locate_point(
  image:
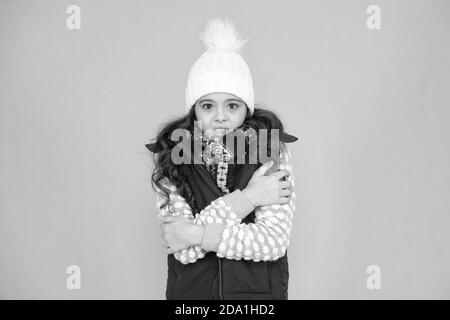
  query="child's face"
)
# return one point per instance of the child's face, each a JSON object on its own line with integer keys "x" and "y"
{"x": 219, "y": 113}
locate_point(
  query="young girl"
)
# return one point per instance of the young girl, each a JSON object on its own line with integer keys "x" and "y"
{"x": 226, "y": 223}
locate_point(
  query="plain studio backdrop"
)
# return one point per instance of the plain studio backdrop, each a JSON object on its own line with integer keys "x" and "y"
{"x": 370, "y": 107}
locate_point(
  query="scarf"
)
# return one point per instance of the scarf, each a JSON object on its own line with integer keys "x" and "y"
{"x": 220, "y": 173}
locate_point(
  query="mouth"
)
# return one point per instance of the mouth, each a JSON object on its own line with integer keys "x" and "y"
{"x": 218, "y": 131}
{"x": 221, "y": 129}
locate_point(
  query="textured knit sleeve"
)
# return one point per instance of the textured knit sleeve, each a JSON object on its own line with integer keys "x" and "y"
{"x": 265, "y": 239}
{"x": 220, "y": 212}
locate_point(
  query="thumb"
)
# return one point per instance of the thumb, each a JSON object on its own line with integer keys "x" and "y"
{"x": 264, "y": 168}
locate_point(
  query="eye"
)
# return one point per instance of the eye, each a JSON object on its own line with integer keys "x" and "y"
{"x": 207, "y": 106}
{"x": 233, "y": 106}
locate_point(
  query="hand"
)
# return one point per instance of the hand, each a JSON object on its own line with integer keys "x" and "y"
{"x": 264, "y": 190}
{"x": 179, "y": 233}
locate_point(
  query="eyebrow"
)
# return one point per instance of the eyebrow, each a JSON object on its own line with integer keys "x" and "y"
{"x": 210, "y": 100}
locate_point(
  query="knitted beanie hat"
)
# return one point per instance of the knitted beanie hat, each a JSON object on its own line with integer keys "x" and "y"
{"x": 221, "y": 68}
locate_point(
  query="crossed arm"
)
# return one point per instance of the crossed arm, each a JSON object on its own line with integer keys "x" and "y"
{"x": 265, "y": 239}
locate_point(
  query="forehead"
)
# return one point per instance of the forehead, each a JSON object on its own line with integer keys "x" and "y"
{"x": 218, "y": 97}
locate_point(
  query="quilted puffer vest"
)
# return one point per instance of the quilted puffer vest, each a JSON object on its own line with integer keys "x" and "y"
{"x": 216, "y": 278}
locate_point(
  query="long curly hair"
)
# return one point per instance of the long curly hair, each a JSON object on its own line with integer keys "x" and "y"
{"x": 161, "y": 149}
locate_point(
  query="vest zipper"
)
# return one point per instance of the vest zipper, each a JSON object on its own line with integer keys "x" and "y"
{"x": 220, "y": 279}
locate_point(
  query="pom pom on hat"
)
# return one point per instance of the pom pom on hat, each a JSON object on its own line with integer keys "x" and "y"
{"x": 222, "y": 35}
{"x": 221, "y": 68}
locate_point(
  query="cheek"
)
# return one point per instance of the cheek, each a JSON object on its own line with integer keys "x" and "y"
{"x": 239, "y": 117}
{"x": 204, "y": 117}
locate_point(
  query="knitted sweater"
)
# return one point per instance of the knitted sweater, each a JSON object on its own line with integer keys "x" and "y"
{"x": 265, "y": 239}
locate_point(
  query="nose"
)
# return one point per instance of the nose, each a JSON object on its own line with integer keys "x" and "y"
{"x": 220, "y": 116}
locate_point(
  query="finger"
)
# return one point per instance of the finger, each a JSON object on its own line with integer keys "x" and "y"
{"x": 280, "y": 174}
{"x": 180, "y": 219}
{"x": 264, "y": 168}
{"x": 285, "y": 200}
{"x": 176, "y": 218}
{"x": 285, "y": 192}
{"x": 170, "y": 219}
{"x": 285, "y": 184}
